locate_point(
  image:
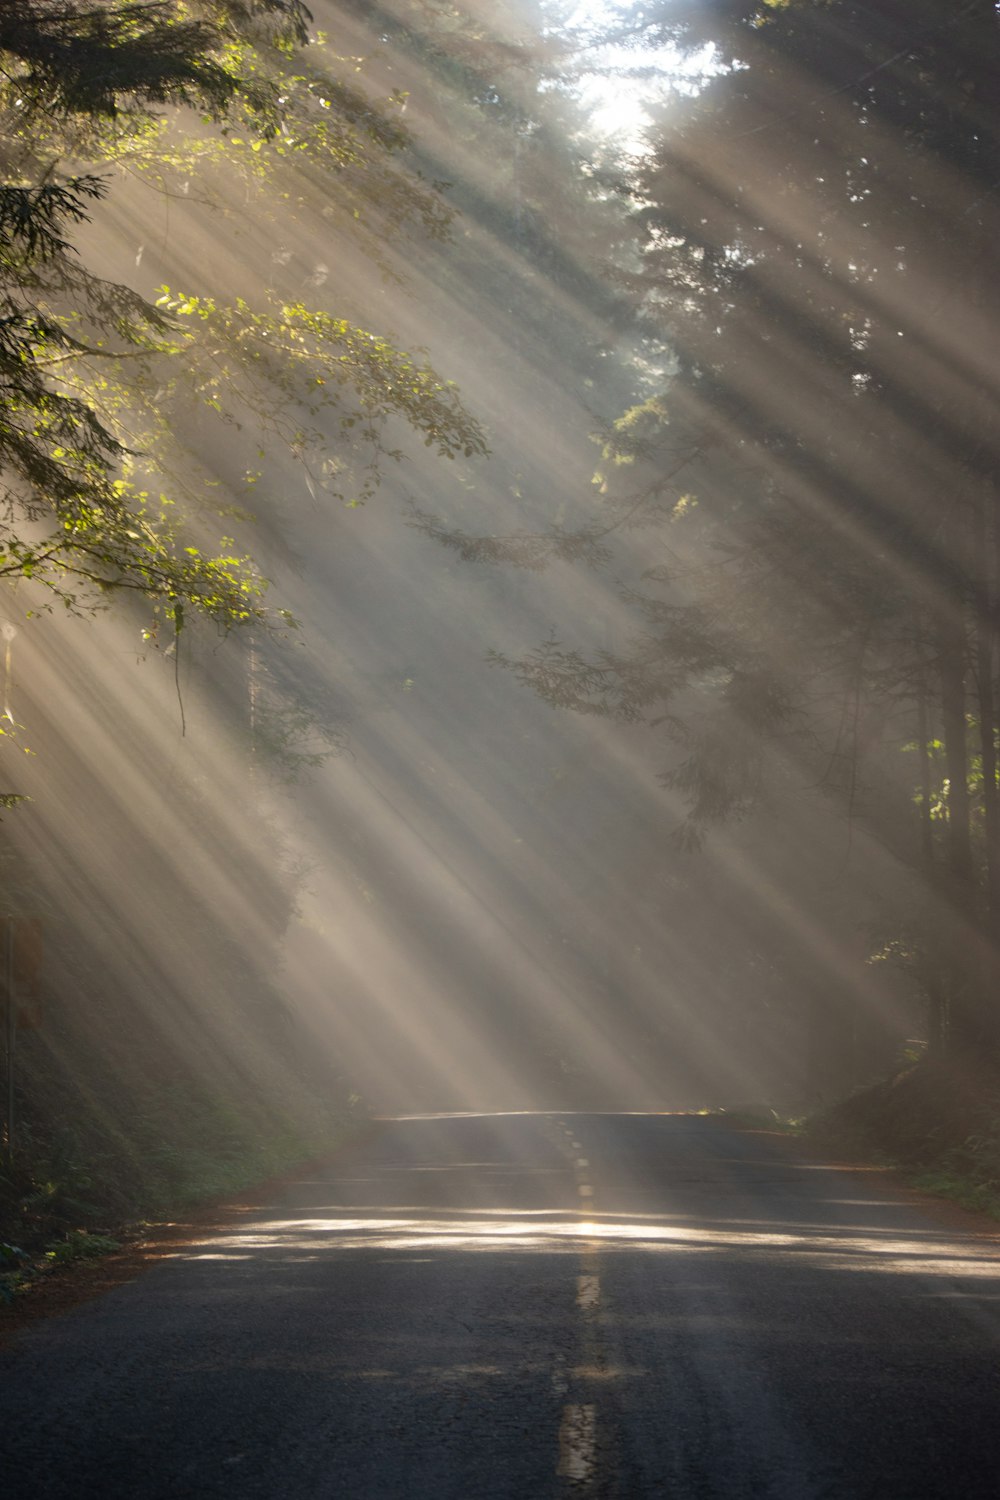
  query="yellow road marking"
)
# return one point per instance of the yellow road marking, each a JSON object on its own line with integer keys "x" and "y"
{"x": 577, "y": 1442}
{"x": 588, "y": 1290}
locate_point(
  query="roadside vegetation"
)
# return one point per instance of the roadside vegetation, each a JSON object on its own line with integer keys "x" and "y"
{"x": 83, "y": 1186}
{"x": 942, "y": 1131}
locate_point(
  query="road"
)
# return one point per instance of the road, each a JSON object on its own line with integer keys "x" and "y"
{"x": 534, "y": 1306}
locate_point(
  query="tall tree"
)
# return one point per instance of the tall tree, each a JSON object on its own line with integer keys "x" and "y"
{"x": 816, "y": 226}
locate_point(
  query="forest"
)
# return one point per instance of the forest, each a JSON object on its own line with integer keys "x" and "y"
{"x": 500, "y": 552}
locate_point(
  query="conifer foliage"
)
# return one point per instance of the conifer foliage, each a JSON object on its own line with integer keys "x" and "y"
{"x": 89, "y": 508}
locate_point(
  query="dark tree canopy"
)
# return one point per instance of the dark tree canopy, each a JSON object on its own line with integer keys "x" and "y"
{"x": 816, "y": 225}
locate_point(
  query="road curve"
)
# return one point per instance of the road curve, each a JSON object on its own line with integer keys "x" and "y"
{"x": 533, "y": 1306}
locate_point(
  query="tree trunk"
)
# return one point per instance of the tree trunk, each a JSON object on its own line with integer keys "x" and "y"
{"x": 935, "y": 990}
{"x": 985, "y": 666}
{"x": 972, "y": 1034}
{"x": 951, "y": 661}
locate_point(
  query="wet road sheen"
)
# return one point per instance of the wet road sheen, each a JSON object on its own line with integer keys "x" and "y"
{"x": 534, "y": 1306}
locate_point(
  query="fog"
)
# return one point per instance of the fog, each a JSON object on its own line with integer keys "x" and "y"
{"x": 356, "y": 857}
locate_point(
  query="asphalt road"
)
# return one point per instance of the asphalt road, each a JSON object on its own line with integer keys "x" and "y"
{"x": 533, "y": 1306}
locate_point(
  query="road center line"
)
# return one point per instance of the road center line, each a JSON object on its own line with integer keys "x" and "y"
{"x": 588, "y": 1290}
{"x": 560, "y": 1382}
{"x": 577, "y": 1442}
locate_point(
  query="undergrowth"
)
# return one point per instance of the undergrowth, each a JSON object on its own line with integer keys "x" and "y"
{"x": 983, "y": 1197}
{"x": 970, "y": 1173}
{"x": 77, "y": 1188}
{"x": 940, "y": 1127}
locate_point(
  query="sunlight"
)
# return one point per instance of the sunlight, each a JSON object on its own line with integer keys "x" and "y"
{"x": 457, "y": 936}
{"x": 500, "y": 564}
{"x": 616, "y": 112}
{"x": 844, "y": 1251}
{"x": 475, "y": 901}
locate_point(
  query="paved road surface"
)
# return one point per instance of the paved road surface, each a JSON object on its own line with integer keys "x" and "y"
{"x": 533, "y": 1306}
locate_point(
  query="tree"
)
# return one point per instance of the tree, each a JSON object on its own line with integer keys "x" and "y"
{"x": 816, "y": 483}
{"x": 85, "y": 362}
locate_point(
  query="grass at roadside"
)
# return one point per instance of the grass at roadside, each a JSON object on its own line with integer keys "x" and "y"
{"x": 982, "y": 1197}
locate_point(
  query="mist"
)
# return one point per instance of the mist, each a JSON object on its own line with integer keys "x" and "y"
{"x": 358, "y": 858}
